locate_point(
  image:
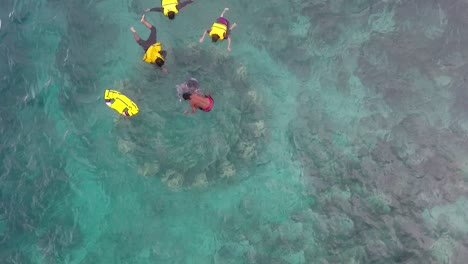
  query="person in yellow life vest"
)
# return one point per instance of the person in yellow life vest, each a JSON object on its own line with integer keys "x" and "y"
{"x": 170, "y": 7}
{"x": 154, "y": 54}
{"x": 120, "y": 103}
{"x": 220, "y": 30}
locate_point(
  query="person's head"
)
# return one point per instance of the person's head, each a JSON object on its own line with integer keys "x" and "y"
{"x": 214, "y": 38}
{"x": 187, "y": 96}
{"x": 159, "y": 62}
{"x": 171, "y": 14}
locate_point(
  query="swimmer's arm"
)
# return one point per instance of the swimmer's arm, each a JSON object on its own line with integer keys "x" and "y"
{"x": 233, "y": 26}
{"x": 160, "y": 68}
{"x": 229, "y": 43}
{"x": 183, "y": 4}
{"x": 191, "y": 112}
{"x": 194, "y": 109}
{"x": 203, "y": 37}
{"x": 154, "y": 9}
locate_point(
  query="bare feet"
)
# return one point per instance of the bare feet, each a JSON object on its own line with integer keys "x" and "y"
{"x": 132, "y": 29}
{"x": 142, "y": 19}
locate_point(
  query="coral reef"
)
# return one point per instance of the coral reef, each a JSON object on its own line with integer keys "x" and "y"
{"x": 227, "y": 169}
{"x": 200, "y": 180}
{"x": 247, "y": 149}
{"x": 259, "y": 128}
{"x": 173, "y": 179}
{"x": 149, "y": 169}
{"x": 241, "y": 73}
{"x": 126, "y": 146}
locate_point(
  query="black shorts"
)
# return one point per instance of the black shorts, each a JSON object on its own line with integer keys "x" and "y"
{"x": 145, "y": 44}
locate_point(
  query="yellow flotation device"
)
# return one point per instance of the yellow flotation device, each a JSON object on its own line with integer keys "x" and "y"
{"x": 152, "y": 54}
{"x": 120, "y": 103}
{"x": 169, "y": 5}
{"x": 218, "y": 29}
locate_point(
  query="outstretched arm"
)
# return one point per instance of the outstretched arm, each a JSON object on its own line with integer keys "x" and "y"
{"x": 203, "y": 37}
{"x": 154, "y": 9}
{"x": 194, "y": 109}
{"x": 183, "y": 4}
{"x": 229, "y": 43}
{"x": 224, "y": 11}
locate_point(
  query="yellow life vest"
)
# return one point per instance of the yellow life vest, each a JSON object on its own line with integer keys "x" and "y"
{"x": 121, "y": 103}
{"x": 218, "y": 29}
{"x": 152, "y": 54}
{"x": 169, "y": 5}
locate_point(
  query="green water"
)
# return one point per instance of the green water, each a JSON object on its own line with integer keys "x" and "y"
{"x": 338, "y": 134}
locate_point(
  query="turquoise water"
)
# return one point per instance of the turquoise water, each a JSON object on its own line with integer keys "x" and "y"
{"x": 338, "y": 135}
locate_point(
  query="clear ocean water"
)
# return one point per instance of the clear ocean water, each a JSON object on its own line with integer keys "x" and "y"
{"x": 339, "y": 134}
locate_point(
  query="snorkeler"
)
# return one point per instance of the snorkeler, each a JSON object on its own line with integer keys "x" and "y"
{"x": 204, "y": 103}
{"x": 170, "y": 7}
{"x": 120, "y": 103}
{"x": 191, "y": 86}
{"x": 220, "y": 30}
{"x": 154, "y": 54}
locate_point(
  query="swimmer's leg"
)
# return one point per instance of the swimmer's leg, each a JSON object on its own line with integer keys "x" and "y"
{"x": 152, "y": 37}
{"x": 144, "y": 22}
{"x": 135, "y": 35}
{"x": 144, "y": 45}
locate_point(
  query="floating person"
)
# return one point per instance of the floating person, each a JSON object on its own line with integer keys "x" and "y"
{"x": 154, "y": 54}
{"x": 202, "y": 102}
{"x": 170, "y": 7}
{"x": 191, "y": 86}
{"x": 120, "y": 103}
{"x": 220, "y": 30}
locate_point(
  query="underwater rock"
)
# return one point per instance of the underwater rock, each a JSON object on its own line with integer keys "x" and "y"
{"x": 252, "y": 94}
{"x": 241, "y": 73}
{"x": 443, "y": 249}
{"x": 247, "y": 149}
{"x": 376, "y": 249}
{"x": 380, "y": 202}
{"x": 126, "y": 146}
{"x": 227, "y": 169}
{"x": 173, "y": 179}
{"x": 200, "y": 180}
{"x": 148, "y": 169}
{"x": 259, "y": 128}
{"x": 443, "y": 80}
{"x": 297, "y": 258}
{"x": 300, "y": 28}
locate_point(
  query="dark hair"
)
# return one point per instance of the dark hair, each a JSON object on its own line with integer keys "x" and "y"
{"x": 187, "y": 96}
{"x": 159, "y": 62}
{"x": 171, "y": 14}
{"x": 214, "y": 38}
